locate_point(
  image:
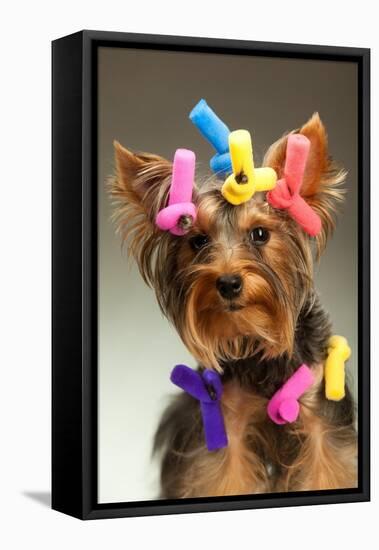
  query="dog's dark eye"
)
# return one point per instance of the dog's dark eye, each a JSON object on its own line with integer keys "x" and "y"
{"x": 198, "y": 241}
{"x": 259, "y": 236}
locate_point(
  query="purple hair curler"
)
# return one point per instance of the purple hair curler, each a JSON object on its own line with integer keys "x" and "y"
{"x": 206, "y": 387}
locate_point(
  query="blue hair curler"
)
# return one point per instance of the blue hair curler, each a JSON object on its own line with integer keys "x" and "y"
{"x": 216, "y": 133}
{"x": 221, "y": 164}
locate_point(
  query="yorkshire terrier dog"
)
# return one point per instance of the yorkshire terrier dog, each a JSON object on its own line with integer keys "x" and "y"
{"x": 239, "y": 289}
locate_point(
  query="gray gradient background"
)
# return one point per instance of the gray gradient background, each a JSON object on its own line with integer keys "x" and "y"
{"x": 144, "y": 101}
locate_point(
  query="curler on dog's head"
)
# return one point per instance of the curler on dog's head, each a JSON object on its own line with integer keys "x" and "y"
{"x": 245, "y": 180}
{"x": 180, "y": 214}
{"x": 216, "y": 132}
{"x": 286, "y": 195}
{"x": 233, "y": 154}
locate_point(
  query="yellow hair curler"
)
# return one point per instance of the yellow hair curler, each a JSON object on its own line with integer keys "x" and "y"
{"x": 338, "y": 352}
{"x": 246, "y": 180}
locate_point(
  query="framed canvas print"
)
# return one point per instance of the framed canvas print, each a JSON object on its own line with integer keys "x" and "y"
{"x": 210, "y": 275}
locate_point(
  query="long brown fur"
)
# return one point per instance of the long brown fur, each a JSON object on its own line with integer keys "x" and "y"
{"x": 255, "y": 341}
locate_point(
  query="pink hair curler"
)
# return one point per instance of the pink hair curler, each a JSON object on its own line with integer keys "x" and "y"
{"x": 180, "y": 213}
{"x": 284, "y": 406}
{"x": 286, "y": 194}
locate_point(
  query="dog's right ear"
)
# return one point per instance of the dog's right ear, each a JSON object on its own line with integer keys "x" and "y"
{"x": 141, "y": 183}
{"x": 140, "y": 190}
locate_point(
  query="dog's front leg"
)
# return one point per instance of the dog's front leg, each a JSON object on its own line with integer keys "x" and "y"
{"x": 188, "y": 469}
{"x": 319, "y": 451}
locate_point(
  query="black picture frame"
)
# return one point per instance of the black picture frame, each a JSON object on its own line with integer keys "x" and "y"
{"x": 74, "y": 271}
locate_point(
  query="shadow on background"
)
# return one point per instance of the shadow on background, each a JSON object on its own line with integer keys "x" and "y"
{"x": 42, "y": 497}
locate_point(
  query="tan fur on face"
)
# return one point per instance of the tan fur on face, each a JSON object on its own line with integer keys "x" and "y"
{"x": 276, "y": 279}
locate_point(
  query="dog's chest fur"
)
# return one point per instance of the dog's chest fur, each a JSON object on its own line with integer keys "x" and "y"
{"x": 264, "y": 377}
{"x": 258, "y": 450}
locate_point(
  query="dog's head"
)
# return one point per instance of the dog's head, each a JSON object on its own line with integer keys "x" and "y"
{"x": 235, "y": 284}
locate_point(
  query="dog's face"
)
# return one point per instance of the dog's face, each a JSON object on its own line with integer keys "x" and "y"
{"x": 235, "y": 284}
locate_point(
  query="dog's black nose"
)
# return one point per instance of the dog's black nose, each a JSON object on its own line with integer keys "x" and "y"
{"x": 229, "y": 286}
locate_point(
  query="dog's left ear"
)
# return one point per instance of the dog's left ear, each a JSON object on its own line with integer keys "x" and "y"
{"x": 322, "y": 178}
